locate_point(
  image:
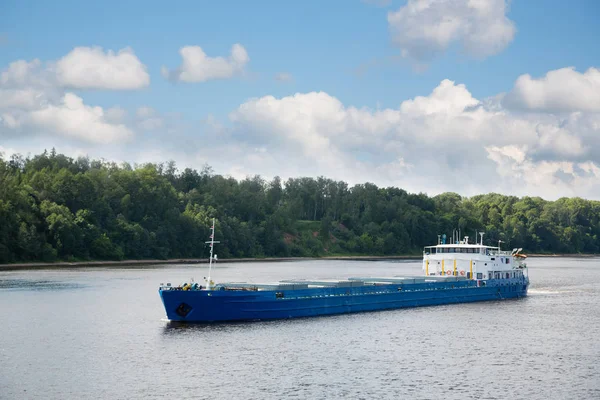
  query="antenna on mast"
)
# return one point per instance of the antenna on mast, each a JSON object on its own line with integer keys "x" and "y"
{"x": 481, "y": 233}
{"x": 209, "y": 282}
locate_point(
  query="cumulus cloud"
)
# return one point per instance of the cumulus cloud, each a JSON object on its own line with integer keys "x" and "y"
{"x": 446, "y": 98}
{"x": 23, "y": 73}
{"x": 27, "y": 98}
{"x": 33, "y": 101}
{"x": 424, "y": 29}
{"x": 26, "y": 86}
{"x": 74, "y": 119}
{"x": 82, "y": 68}
{"x": 550, "y": 179}
{"x": 561, "y": 90}
{"x": 445, "y": 141}
{"x": 198, "y": 67}
{"x": 92, "y": 68}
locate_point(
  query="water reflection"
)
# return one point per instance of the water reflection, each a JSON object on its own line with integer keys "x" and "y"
{"x": 109, "y": 340}
{"x": 37, "y": 285}
{"x": 177, "y": 327}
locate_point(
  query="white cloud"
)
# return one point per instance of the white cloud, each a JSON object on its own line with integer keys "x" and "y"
{"x": 513, "y": 153}
{"x": 92, "y": 68}
{"x": 25, "y": 86}
{"x": 559, "y": 141}
{"x": 74, "y": 119}
{"x": 33, "y": 101}
{"x": 82, "y": 68}
{"x": 561, "y": 90}
{"x": 446, "y": 141}
{"x": 447, "y": 98}
{"x": 424, "y": 29}
{"x": 549, "y": 179}
{"x": 198, "y": 67}
{"x": 21, "y": 73}
{"x": 27, "y": 98}
{"x": 295, "y": 119}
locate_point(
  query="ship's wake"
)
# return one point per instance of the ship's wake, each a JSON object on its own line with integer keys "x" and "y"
{"x": 549, "y": 291}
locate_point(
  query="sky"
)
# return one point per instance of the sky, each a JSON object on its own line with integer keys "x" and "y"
{"x": 466, "y": 96}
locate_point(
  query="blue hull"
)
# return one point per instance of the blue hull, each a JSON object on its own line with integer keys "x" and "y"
{"x": 226, "y": 305}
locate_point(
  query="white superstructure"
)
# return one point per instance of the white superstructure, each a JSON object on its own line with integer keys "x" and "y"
{"x": 473, "y": 261}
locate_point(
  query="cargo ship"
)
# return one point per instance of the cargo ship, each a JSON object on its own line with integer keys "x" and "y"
{"x": 457, "y": 272}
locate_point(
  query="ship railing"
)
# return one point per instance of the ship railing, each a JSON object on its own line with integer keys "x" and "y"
{"x": 185, "y": 287}
{"x": 500, "y": 253}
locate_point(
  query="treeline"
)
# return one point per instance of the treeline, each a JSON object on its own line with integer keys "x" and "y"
{"x": 53, "y": 207}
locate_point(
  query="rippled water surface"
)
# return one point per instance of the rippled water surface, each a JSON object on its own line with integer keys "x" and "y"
{"x": 100, "y": 334}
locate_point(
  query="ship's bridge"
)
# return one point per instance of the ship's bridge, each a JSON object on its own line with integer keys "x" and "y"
{"x": 473, "y": 261}
{"x": 464, "y": 248}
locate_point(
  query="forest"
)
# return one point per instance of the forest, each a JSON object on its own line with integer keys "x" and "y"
{"x": 53, "y": 207}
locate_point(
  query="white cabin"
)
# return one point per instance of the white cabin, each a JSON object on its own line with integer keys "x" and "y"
{"x": 473, "y": 261}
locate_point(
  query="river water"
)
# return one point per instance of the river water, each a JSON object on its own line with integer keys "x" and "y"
{"x": 100, "y": 333}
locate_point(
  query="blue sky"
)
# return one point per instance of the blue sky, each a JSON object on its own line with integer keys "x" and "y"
{"x": 346, "y": 49}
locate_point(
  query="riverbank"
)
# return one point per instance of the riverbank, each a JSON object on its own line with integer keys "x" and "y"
{"x": 133, "y": 263}
{"x": 124, "y": 263}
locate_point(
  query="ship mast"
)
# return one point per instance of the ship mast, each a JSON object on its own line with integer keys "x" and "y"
{"x": 209, "y": 282}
